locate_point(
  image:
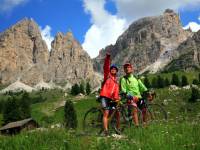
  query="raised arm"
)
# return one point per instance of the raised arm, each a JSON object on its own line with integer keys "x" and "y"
{"x": 106, "y": 67}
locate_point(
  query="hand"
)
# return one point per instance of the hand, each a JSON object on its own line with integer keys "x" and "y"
{"x": 135, "y": 99}
{"x": 117, "y": 100}
{"x": 122, "y": 95}
{"x": 129, "y": 97}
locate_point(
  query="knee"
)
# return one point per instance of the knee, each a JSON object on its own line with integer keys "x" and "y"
{"x": 106, "y": 113}
{"x": 135, "y": 110}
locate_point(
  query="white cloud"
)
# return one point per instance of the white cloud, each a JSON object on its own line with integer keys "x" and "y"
{"x": 46, "y": 35}
{"x": 193, "y": 26}
{"x": 135, "y": 9}
{"x": 8, "y": 5}
{"x": 105, "y": 27}
{"x": 199, "y": 18}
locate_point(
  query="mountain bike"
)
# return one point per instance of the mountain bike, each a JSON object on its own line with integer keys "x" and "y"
{"x": 93, "y": 119}
{"x": 151, "y": 111}
{"x": 147, "y": 111}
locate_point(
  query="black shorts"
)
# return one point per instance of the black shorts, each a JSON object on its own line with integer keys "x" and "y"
{"x": 107, "y": 103}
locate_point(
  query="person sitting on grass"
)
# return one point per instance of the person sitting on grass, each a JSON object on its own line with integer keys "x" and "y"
{"x": 109, "y": 93}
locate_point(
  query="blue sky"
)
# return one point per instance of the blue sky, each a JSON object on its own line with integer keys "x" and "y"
{"x": 61, "y": 15}
{"x": 94, "y": 23}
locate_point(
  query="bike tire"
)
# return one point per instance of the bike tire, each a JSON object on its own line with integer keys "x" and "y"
{"x": 158, "y": 113}
{"x": 124, "y": 123}
{"x": 92, "y": 122}
{"x": 147, "y": 116}
{"x": 129, "y": 118}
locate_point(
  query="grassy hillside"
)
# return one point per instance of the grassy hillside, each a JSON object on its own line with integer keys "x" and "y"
{"x": 170, "y": 136}
{"x": 182, "y": 131}
{"x": 191, "y": 75}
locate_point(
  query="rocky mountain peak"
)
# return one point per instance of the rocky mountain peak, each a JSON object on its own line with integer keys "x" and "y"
{"x": 196, "y": 36}
{"x": 28, "y": 26}
{"x": 66, "y": 45}
{"x": 70, "y": 35}
{"x": 169, "y": 11}
{"x": 67, "y": 37}
{"x": 187, "y": 55}
{"x": 25, "y": 57}
{"x": 22, "y": 51}
{"x": 69, "y": 61}
{"x": 148, "y": 43}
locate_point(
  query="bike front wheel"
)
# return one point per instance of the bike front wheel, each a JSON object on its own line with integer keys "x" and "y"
{"x": 119, "y": 125}
{"x": 92, "y": 122}
{"x": 130, "y": 114}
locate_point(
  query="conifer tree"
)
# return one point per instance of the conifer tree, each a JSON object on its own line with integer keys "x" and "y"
{"x": 160, "y": 82}
{"x": 82, "y": 88}
{"x": 199, "y": 78}
{"x": 195, "y": 82}
{"x": 146, "y": 82}
{"x": 11, "y": 111}
{"x": 154, "y": 83}
{"x": 184, "y": 81}
{"x": 175, "y": 80}
{"x": 70, "y": 117}
{"x": 75, "y": 90}
{"x": 195, "y": 95}
{"x": 88, "y": 88}
{"x": 167, "y": 83}
{"x": 24, "y": 106}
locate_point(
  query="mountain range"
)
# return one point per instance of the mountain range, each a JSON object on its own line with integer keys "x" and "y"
{"x": 152, "y": 44}
{"x": 25, "y": 57}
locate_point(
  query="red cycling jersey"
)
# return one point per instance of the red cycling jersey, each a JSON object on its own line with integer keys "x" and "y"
{"x": 110, "y": 88}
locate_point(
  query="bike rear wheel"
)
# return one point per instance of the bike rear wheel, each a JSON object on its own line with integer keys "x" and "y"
{"x": 92, "y": 122}
{"x": 157, "y": 113}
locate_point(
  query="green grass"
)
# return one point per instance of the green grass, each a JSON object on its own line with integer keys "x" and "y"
{"x": 50, "y": 95}
{"x": 170, "y": 136}
{"x": 1, "y": 118}
{"x": 182, "y": 131}
{"x": 42, "y": 110}
{"x": 190, "y": 75}
{"x": 43, "y": 114}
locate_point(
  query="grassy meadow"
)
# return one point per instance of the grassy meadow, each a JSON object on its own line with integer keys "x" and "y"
{"x": 180, "y": 132}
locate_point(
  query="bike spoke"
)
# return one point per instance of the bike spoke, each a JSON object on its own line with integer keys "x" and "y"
{"x": 92, "y": 121}
{"x": 157, "y": 112}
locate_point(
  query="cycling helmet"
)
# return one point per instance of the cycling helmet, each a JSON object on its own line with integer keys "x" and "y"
{"x": 114, "y": 66}
{"x": 128, "y": 65}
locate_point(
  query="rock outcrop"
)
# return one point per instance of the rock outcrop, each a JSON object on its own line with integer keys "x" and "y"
{"x": 69, "y": 62}
{"x": 148, "y": 43}
{"x": 151, "y": 44}
{"x": 17, "y": 87}
{"x": 187, "y": 55}
{"x": 24, "y": 55}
